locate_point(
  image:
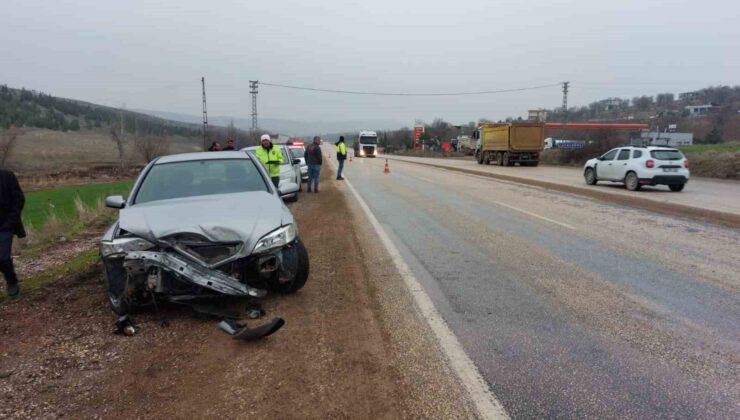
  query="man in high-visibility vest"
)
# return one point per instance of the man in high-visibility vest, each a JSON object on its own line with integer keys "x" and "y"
{"x": 271, "y": 157}
{"x": 341, "y": 156}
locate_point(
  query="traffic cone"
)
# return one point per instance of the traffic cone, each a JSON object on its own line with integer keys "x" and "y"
{"x": 386, "y": 170}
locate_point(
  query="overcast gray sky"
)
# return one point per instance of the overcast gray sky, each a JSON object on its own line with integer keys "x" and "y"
{"x": 151, "y": 55}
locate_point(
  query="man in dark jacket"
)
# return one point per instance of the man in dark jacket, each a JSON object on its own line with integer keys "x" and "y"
{"x": 11, "y": 206}
{"x": 314, "y": 160}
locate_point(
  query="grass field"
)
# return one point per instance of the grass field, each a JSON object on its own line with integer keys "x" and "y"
{"x": 704, "y": 148}
{"x": 61, "y": 201}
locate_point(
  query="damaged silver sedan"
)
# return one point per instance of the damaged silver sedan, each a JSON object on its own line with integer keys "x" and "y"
{"x": 200, "y": 225}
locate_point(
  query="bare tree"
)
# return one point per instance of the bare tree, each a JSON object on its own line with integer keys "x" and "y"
{"x": 118, "y": 135}
{"x": 151, "y": 147}
{"x": 7, "y": 143}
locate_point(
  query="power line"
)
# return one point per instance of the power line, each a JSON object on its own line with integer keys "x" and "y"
{"x": 352, "y": 92}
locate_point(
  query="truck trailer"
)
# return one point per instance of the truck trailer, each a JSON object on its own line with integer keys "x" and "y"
{"x": 509, "y": 143}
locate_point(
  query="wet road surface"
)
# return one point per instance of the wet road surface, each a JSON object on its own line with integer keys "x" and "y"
{"x": 706, "y": 193}
{"x": 568, "y": 306}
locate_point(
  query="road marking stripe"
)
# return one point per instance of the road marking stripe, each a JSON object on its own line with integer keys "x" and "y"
{"x": 485, "y": 402}
{"x": 547, "y": 219}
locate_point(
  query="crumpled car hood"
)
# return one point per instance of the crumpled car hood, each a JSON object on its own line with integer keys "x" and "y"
{"x": 243, "y": 217}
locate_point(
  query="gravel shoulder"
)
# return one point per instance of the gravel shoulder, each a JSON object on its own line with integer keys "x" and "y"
{"x": 353, "y": 345}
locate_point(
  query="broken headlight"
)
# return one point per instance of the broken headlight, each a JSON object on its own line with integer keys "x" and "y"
{"x": 124, "y": 246}
{"x": 277, "y": 238}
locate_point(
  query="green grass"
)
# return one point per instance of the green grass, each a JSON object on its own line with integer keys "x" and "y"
{"x": 703, "y": 148}
{"x": 61, "y": 201}
{"x": 78, "y": 264}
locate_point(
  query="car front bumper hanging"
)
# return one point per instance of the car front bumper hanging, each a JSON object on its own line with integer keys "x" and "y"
{"x": 142, "y": 261}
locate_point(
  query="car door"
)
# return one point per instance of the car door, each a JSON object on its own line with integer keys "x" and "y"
{"x": 621, "y": 164}
{"x": 605, "y": 167}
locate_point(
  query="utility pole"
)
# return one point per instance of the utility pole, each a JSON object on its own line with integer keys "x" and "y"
{"x": 205, "y": 115}
{"x": 253, "y": 85}
{"x": 565, "y": 112}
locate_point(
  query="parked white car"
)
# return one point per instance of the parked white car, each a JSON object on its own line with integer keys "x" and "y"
{"x": 638, "y": 166}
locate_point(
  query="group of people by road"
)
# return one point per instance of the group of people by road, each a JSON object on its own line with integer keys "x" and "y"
{"x": 314, "y": 159}
{"x": 216, "y": 146}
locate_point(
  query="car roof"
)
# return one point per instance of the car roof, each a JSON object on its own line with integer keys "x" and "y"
{"x": 185, "y": 157}
{"x": 648, "y": 148}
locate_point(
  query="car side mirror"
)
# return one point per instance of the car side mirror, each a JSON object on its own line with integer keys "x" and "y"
{"x": 296, "y": 161}
{"x": 287, "y": 188}
{"x": 115, "y": 202}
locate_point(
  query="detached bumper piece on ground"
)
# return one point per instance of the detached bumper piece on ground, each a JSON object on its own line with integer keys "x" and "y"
{"x": 243, "y": 332}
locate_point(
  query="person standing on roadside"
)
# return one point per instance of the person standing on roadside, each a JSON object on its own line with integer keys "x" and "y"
{"x": 11, "y": 206}
{"x": 271, "y": 157}
{"x": 229, "y": 145}
{"x": 341, "y": 156}
{"x": 314, "y": 160}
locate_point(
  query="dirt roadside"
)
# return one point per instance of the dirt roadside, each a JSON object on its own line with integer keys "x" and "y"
{"x": 353, "y": 345}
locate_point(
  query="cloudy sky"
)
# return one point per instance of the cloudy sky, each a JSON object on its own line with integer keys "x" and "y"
{"x": 151, "y": 54}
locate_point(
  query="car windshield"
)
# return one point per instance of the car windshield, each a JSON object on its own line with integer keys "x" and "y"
{"x": 666, "y": 154}
{"x": 199, "y": 177}
{"x": 368, "y": 140}
{"x": 298, "y": 152}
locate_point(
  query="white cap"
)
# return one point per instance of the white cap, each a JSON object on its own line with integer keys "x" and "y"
{"x": 265, "y": 137}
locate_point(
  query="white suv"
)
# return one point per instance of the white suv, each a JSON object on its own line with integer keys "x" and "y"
{"x": 638, "y": 166}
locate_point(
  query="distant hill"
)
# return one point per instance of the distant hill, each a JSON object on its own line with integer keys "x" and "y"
{"x": 281, "y": 126}
{"x": 32, "y": 109}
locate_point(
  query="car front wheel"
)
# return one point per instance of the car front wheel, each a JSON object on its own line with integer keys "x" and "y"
{"x": 632, "y": 182}
{"x": 590, "y": 176}
{"x": 293, "y": 271}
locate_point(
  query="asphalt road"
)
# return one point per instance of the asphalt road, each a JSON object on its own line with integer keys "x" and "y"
{"x": 706, "y": 193}
{"x": 568, "y": 306}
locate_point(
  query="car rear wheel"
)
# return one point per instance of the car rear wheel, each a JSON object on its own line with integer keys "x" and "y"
{"x": 632, "y": 182}
{"x": 294, "y": 268}
{"x": 590, "y": 176}
{"x": 676, "y": 187}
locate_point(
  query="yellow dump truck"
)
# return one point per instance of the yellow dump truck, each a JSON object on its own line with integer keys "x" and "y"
{"x": 509, "y": 143}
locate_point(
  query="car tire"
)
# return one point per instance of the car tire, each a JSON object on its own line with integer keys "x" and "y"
{"x": 632, "y": 182}
{"x": 292, "y": 199}
{"x": 676, "y": 187}
{"x": 479, "y": 157}
{"x": 590, "y": 176}
{"x": 301, "y": 272}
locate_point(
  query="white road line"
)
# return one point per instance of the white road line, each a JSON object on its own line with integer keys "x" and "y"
{"x": 547, "y": 219}
{"x": 485, "y": 402}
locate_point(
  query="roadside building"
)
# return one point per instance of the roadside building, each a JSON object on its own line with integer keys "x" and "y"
{"x": 537, "y": 115}
{"x": 699, "y": 110}
{"x": 665, "y": 138}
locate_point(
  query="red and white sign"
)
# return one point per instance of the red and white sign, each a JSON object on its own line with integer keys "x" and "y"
{"x": 418, "y": 131}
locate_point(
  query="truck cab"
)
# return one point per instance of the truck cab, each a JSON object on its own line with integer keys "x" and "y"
{"x": 367, "y": 144}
